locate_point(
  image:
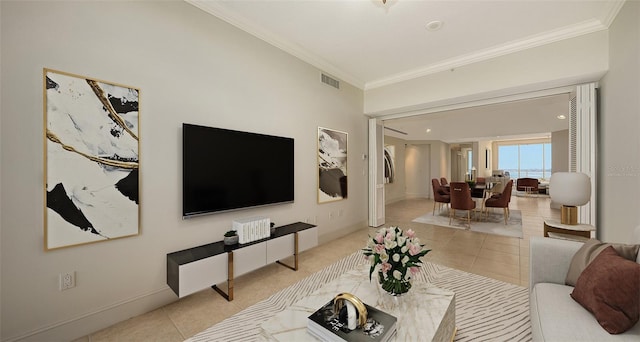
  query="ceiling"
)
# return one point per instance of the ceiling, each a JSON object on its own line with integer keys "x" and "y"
{"x": 370, "y": 44}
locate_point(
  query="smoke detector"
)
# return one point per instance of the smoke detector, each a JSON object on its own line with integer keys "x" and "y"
{"x": 434, "y": 25}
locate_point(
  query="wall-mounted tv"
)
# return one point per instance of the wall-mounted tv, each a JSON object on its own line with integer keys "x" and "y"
{"x": 224, "y": 170}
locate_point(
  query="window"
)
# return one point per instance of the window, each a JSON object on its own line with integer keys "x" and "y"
{"x": 525, "y": 160}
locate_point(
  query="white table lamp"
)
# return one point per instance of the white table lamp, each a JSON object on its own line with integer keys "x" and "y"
{"x": 571, "y": 189}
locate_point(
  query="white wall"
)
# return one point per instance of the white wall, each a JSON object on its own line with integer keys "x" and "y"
{"x": 440, "y": 162}
{"x": 619, "y": 141}
{"x": 421, "y": 161}
{"x": 418, "y": 170}
{"x": 190, "y": 67}
{"x": 456, "y": 167}
{"x": 396, "y": 191}
{"x": 560, "y": 151}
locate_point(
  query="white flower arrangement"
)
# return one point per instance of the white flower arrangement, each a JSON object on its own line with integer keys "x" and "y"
{"x": 398, "y": 255}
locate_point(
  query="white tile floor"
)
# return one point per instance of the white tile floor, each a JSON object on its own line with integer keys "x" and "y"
{"x": 498, "y": 257}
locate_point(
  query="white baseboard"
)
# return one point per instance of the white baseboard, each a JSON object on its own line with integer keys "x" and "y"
{"x": 417, "y": 195}
{"x": 394, "y": 200}
{"x": 99, "y": 319}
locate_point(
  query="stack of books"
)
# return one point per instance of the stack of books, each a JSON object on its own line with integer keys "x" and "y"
{"x": 325, "y": 325}
{"x": 252, "y": 229}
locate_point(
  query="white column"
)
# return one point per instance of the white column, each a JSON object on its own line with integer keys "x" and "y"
{"x": 584, "y": 127}
{"x": 376, "y": 174}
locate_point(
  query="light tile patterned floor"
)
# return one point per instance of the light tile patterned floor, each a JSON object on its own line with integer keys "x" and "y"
{"x": 498, "y": 257}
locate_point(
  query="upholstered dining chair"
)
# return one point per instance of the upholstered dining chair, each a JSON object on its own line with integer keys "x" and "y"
{"x": 444, "y": 185}
{"x": 461, "y": 200}
{"x": 439, "y": 195}
{"x": 501, "y": 201}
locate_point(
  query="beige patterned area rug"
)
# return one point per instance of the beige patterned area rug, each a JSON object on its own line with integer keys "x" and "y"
{"x": 486, "y": 309}
{"x": 490, "y": 224}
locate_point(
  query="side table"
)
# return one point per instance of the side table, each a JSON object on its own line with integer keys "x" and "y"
{"x": 579, "y": 232}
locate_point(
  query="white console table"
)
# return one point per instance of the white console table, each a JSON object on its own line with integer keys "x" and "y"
{"x": 195, "y": 269}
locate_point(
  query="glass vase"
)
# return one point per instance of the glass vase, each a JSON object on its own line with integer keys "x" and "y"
{"x": 394, "y": 286}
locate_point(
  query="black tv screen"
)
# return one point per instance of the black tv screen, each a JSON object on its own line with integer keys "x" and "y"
{"x": 225, "y": 170}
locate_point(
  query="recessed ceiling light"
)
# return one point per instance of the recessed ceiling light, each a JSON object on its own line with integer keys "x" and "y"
{"x": 434, "y": 25}
{"x": 428, "y": 130}
{"x": 561, "y": 117}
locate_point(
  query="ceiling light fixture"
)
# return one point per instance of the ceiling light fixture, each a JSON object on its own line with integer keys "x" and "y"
{"x": 561, "y": 117}
{"x": 434, "y": 25}
{"x": 428, "y": 130}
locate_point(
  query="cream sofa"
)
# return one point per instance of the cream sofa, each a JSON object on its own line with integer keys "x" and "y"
{"x": 555, "y": 316}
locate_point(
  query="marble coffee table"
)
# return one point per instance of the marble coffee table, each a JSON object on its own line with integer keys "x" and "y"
{"x": 425, "y": 313}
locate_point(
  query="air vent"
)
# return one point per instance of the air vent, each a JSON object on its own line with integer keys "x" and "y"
{"x": 330, "y": 81}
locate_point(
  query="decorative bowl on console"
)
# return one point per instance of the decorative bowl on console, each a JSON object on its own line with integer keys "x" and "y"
{"x": 230, "y": 238}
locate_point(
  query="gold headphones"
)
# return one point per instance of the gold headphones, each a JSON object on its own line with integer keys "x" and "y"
{"x": 338, "y": 302}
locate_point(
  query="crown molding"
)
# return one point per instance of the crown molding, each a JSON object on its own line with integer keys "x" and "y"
{"x": 612, "y": 12}
{"x": 567, "y": 32}
{"x": 213, "y": 8}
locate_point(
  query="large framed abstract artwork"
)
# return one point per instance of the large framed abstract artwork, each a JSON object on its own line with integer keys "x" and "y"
{"x": 332, "y": 165}
{"x": 91, "y": 144}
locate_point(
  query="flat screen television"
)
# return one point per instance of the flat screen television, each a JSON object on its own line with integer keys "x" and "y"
{"x": 224, "y": 170}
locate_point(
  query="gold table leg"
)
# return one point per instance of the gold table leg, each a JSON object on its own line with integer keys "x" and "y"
{"x": 229, "y": 294}
{"x": 295, "y": 254}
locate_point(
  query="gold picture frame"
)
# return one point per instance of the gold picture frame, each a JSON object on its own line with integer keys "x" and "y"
{"x": 91, "y": 160}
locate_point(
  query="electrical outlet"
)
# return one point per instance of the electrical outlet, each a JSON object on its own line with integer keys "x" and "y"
{"x": 67, "y": 280}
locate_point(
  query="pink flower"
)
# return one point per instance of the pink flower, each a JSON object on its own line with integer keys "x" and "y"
{"x": 385, "y": 267}
{"x": 414, "y": 249}
{"x": 378, "y": 248}
{"x": 411, "y": 234}
{"x": 379, "y": 238}
{"x": 414, "y": 270}
{"x": 390, "y": 236}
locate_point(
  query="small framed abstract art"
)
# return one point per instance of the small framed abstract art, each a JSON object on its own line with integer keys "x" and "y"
{"x": 389, "y": 163}
{"x": 91, "y": 144}
{"x": 332, "y": 165}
